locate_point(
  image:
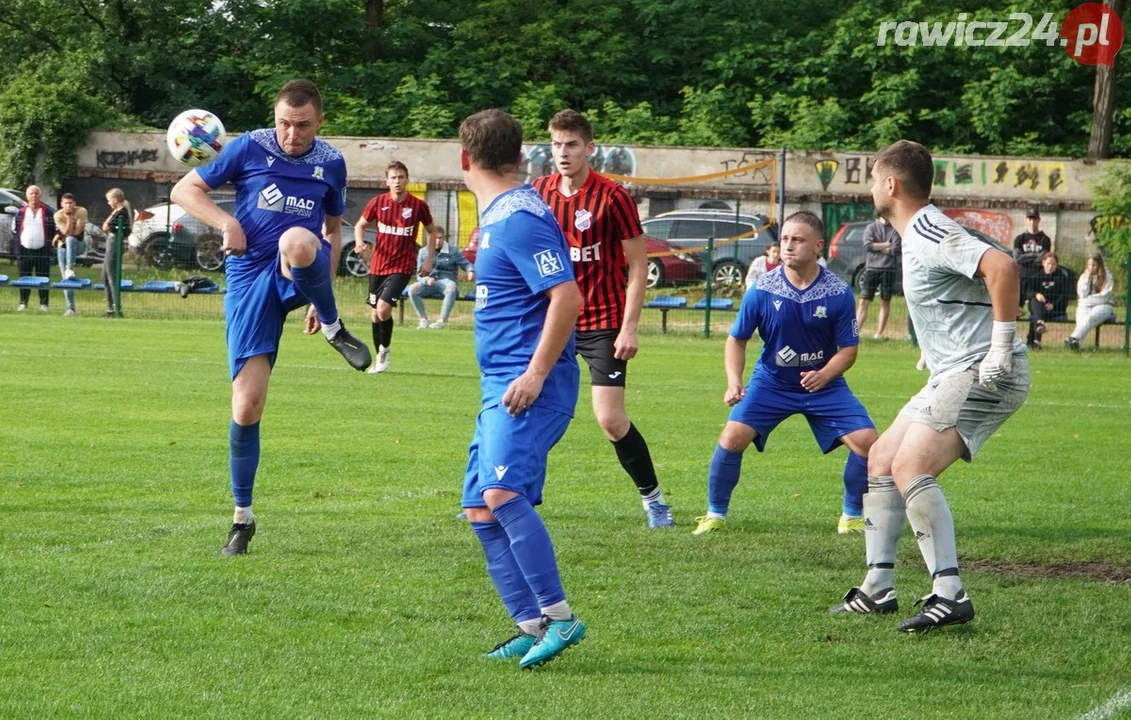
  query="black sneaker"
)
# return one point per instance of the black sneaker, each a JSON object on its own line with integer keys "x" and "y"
{"x": 939, "y": 612}
{"x": 1072, "y": 344}
{"x": 857, "y": 601}
{"x": 238, "y": 538}
{"x": 353, "y": 350}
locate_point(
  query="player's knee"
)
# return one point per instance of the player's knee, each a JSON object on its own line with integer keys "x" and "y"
{"x": 614, "y": 422}
{"x": 414, "y": 289}
{"x": 734, "y": 439}
{"x": 495, "y": 497}
{"x": 480, "y": 515}
{"x": 299, "y": 246}
{"x": 247, "y": 408}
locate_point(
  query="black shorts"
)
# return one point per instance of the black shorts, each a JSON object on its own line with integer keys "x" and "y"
{"x": 387, "y": 288}
{"x": 596, "y": 348}
{"x": 882, "y": 279}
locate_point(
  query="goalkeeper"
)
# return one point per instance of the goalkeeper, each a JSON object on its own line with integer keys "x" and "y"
{"x": 962, "y": 296}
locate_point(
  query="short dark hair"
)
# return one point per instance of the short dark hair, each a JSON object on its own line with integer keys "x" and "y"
{"x": 66, "y": 196}
{"x": 396, "y": 165}
{"x": 493, "y": 140}
{"x": 911, "y": 163}
{"x": 299, "y": 93}
{"x": 807, "y": 218}
{"x": 572, "y": 121}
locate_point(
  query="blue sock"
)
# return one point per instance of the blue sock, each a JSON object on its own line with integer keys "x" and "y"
{"x": 722, "y": 479}
{"x": 855, "y": 484}
{"x": 532, "y": 549}
{"x": 504, "y": 571}
{"x": 313, "y": 281}
{"x": 243, "y": 444}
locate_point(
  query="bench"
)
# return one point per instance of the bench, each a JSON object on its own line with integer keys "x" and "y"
{"x": 32, "y": 281}
{"x": 666, "y": 304}
{"x": 716, "y": 304}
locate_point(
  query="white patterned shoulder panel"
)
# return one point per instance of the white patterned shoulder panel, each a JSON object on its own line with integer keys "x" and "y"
{"x": 323, "y": 153}
{"x": 525, "y": 198}
{"x": 827, "y": 285}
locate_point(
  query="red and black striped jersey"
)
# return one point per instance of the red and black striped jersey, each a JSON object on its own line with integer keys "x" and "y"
{"x": 595, "y": 220}
{"x": 397, "y": 227}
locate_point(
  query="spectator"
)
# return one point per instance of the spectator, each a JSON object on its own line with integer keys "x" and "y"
{"x": 33, "y": 228}
{"x": 769, "y": 260}
{"x": 1048, "y": 296}
{"x": 118, "y": 224}
{"x": 880, "y": 270}
{"x": 70, "y": 224}
{"x": 442, "y": 281}
{"x": 1030, "y": 247}
{"x": 1093, "y": 307}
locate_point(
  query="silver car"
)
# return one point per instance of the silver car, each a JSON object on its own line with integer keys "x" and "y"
{"x": 690, "y": 229}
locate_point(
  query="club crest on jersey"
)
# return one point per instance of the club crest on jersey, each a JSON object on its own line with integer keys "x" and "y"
{"x": 319, "y": 173}
{"x": 582, "y": 219}
{"x": 480, "y": 296}
{"x": 549, "y": 263}
{"x": 406, "y": 213}
{"x": 821, "y": 312}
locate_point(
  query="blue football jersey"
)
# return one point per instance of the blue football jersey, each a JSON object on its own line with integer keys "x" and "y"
{"x": 801, "y": 329}
{"x": 274, "y": 192}
{"x": 522, "y": 253}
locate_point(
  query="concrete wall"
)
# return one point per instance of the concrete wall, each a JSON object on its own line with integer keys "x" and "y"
{"x": 995, "y": 190}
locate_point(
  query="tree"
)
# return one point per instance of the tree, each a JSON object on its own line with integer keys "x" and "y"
{"x": 1103, "y": 101}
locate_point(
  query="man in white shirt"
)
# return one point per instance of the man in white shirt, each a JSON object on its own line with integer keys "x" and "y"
{"x": 34, "y": 228}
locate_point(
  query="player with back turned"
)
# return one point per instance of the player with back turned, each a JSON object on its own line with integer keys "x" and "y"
{"x": 600, "y": 221}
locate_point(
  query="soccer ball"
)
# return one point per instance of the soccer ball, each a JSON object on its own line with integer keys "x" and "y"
{"x": 195, "y": 137}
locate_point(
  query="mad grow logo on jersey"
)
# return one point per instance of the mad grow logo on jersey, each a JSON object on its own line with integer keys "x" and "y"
{"x": 272, "y": 198}
{"x": 788, "y": 357}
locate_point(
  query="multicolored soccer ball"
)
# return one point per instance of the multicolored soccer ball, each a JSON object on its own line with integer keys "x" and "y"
{"x": 195, "y": 137}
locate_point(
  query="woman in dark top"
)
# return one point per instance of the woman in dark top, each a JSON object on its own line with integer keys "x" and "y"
{"x": 118, "y": 224}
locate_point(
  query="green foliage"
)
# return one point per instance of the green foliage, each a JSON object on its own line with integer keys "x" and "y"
{"x": 1111, "y": 192}
{"x": 45, "y": 114}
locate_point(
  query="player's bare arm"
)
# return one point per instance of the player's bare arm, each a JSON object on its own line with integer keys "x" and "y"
{"x": 734, "y": 362}
{"x": 430, "y": 245}
{"x": 359, "y": 235}
{"x": 191, "y": 193}
{"x": 1003, "y": 281}
{"x": 626, "y": 345}
{"x": 561, "y": 317}
{"x": 837, "y": 365}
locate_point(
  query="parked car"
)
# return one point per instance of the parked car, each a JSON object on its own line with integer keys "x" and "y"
{"x": 847, "y": 255}
{"x": 668, "y": 265}
{"x": 691, "y": 229}
{"x": 13, "y": 200}
{"x": 166, "y": 236}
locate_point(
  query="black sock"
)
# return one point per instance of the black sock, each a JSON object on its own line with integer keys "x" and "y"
{"x": 378, "y": 335}
{"x": 632, "y": 451}
{"x": 387, "y": 331}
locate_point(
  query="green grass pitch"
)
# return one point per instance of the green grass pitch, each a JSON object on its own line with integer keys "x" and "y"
{"x": 364, "y": 596}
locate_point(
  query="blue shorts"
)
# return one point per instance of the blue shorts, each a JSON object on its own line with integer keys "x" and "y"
{"x": 832, "y": 412}
{"x": 255, "y": 311}
{"x": 509, "y": 453}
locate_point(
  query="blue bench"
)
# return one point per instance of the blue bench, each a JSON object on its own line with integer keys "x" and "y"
{"x": 126, "y": 285}
{"x": 72, "y": 284}
{"x": 716, "y": 304}
{"x": 665, "y": 304}
{"x": 159, "y": 286}
{"x": 32, "y": 281}
{"x": 3, "y": 279}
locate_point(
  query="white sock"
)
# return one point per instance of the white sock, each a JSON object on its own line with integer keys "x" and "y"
{"x": 716, "y": 516}
{"x": 243, "y": 515}
{"x": 558, "y": 611}
{"x": 885, "y": 514}
{"x": 332, "y": 329}
{"x": 933, "y": 526}
{"x": 654, "y": 496}
{"x": 530, "y": 627}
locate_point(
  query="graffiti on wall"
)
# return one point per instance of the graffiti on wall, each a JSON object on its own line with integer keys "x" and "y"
{"x": 837, "y": 214}
{"x": 124, "y": 158}
{"x": 1037, "y": 176}
{"x": 538, "y": 160}
{"x": 760, "y": 175}
{"x": 997, "y": 225}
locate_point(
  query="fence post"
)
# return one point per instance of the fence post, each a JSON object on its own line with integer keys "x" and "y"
{"x": 1127, "y": 310}
{"x": 710, "y": 284}
{"x": 118, "y": 268}
{"x": 781, "y": 190}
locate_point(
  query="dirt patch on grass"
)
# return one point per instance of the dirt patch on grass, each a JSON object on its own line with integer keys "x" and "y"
{"x": 1102, "y": 571}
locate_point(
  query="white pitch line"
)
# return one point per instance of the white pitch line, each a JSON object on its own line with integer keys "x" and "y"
{"x": 1109, "y": 708}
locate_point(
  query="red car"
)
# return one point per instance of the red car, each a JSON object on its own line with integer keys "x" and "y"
{"x": 666, "y": 264}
